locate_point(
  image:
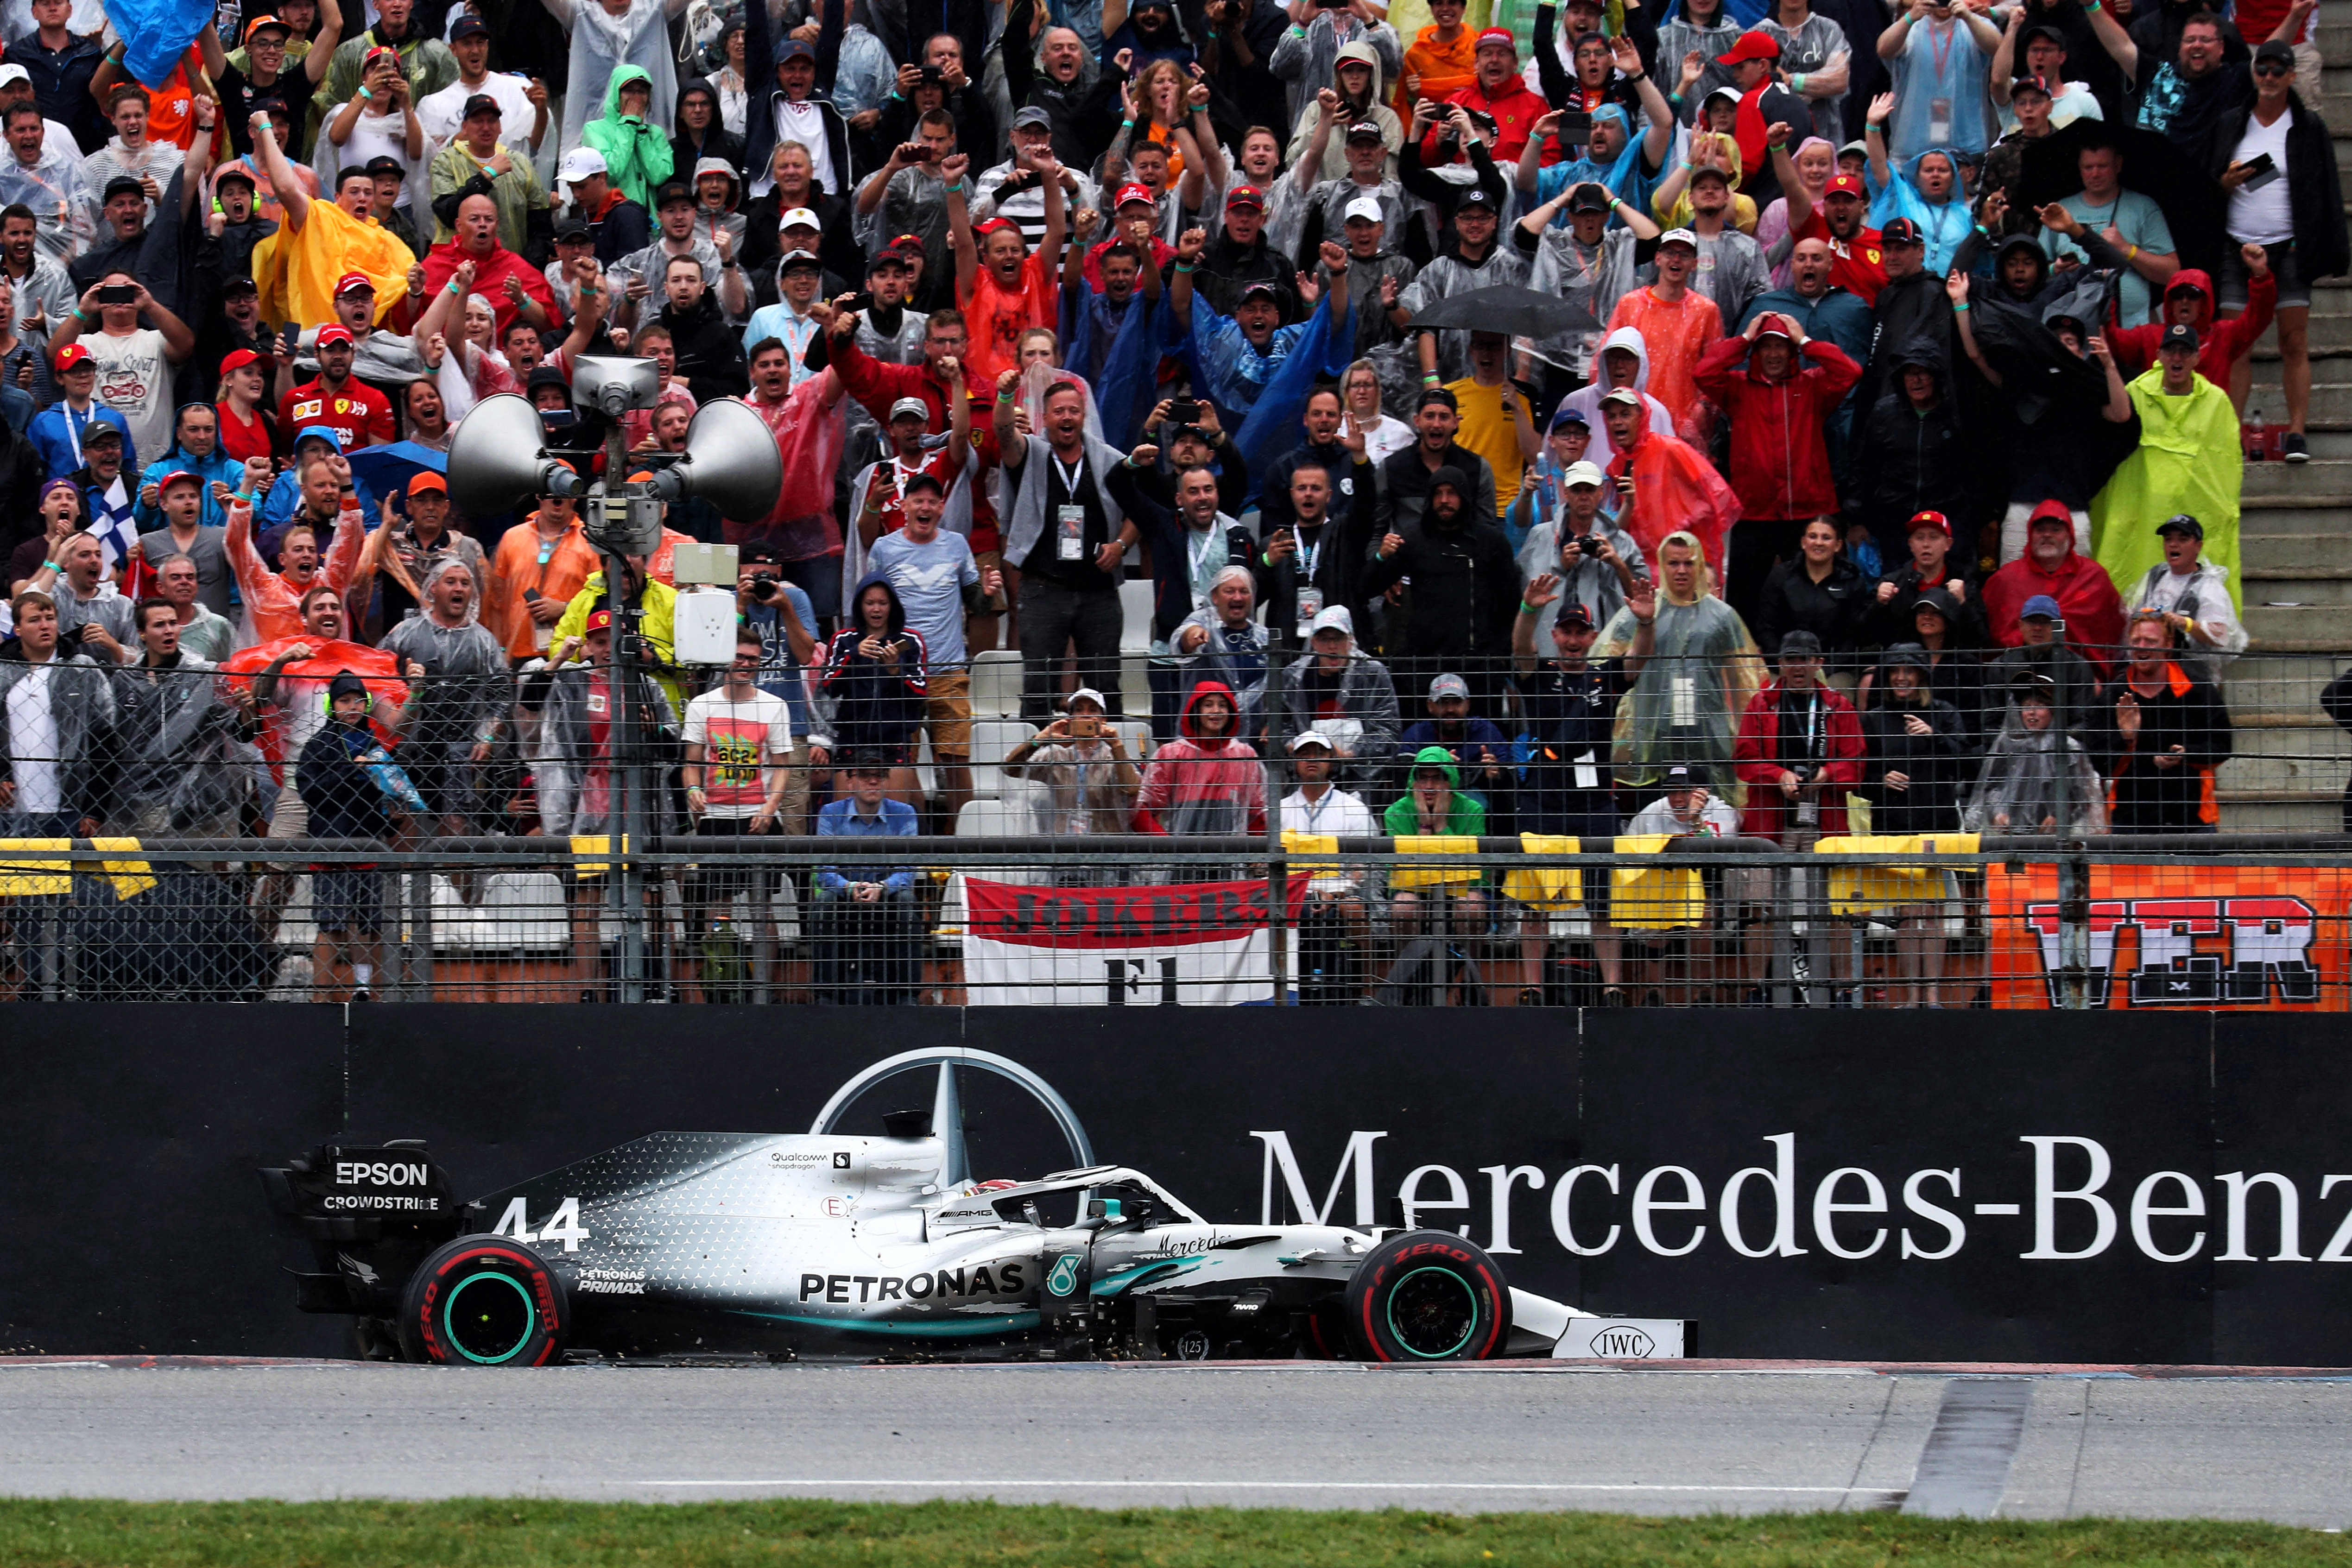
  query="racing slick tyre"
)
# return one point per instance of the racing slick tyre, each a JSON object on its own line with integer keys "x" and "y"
{"x": 1428, "y": 1295}
{"x": 484, "y": 1301}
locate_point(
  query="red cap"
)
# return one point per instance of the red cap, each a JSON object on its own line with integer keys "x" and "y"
{"x": 1502, "y": 36}
{"x": 71, "y": 355}
{"x": 351, "y": 280}
{"x": 600, "y": 620}
{"x": 2054, "y": 510}
{"x": 176, "y": 476}
{"x": 1244, "y": 197}
{"x": 237, "y": 359}
{"x": 1935, "y": 519}
{"x": 337, "y": 333}
{"x": 1135, "y": 193}
{"x": 1754, "y": 45}
{"x": 1846, "y": 185}
{"x": 1773, "y": 324}
{"x": 428, "y": 480}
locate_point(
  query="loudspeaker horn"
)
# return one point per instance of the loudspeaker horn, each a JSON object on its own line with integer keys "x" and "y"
{"x": 731, "y": 460}
{"x": 495, "y": 463}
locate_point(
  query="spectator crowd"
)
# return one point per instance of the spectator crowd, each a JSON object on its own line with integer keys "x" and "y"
{"x": 1685, "y": 420}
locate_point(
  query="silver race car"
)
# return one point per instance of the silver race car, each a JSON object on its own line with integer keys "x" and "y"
{"x": 790, "y": 1245}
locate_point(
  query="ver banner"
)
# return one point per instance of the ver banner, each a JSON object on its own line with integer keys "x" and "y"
{"x": 1196, "y": 944}
{"x": 2234, "y": 937}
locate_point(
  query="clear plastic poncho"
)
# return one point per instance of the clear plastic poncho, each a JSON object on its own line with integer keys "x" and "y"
{"x": 1685, "y": 706}
{"x": 2033, "y": 781}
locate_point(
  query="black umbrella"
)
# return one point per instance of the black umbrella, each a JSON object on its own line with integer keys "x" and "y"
{"x": 1510, "y": 310}
{"x": 2193, "y": 205}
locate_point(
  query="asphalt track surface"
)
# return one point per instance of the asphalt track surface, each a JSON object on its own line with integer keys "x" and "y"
{"x": 2041, "y": 1443}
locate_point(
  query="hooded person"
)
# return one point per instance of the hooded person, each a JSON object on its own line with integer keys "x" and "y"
{"x": 1913, "y": 745}
{"x": 607, "y": 38}
{"x": 1694, "y": 669}
{"x": 1933, "y": 195}
{"x": 1666, "y": 484}
{"x": 1206, "y": 781}
{"x": 1464, "y": 815}
{"x": 2076, "y": 588}
{"x": 2035, "y": 778}
{"x": 636, "y": 153}
{"x": 1630, "y": 368}
{"x": 871, "y": 679}
{"x": 2188, "y": 300}
{"x": 1359, "y": 51}
{"x": 1465, "y": 583}
{"x": 1912, "y": 448}
{"x": 1778, "y": 390}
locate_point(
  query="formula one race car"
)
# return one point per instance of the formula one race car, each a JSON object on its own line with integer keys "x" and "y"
{"x": 710, "y": 1245}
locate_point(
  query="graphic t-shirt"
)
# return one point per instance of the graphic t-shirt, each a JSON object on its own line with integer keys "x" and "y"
{"x": 359, "y": 414}
{"x": 930, "y": 580}
{"x": 735, "y": 733}
{"x": 134, "y": 381}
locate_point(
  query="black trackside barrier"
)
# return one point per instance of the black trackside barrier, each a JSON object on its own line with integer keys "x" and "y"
{"x": 2050, "y": 1189}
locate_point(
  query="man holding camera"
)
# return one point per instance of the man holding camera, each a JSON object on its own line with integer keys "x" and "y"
{"x": 1581, "y": 558}
{"x": 135, "y": 364}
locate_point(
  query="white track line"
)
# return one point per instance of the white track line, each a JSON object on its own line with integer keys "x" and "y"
{"x": 1296, "y": 1486}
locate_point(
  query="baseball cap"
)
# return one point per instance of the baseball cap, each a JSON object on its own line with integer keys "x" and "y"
{"x": 122, "y": 184}
{"x": 1448, "y": 686}
{"x": 1753, "y": 45}
{"x": 1800, "y": 643}
{"x": 1306, "y": 737}
{"x": 1572, "y": 613}
{"x": 1709, "y": 172}
{"x": 378, "y": 52}
{"x": 482, "y": 103}
{"x": 1582, "y": 473}
{"x": 1844, "y": 185}
{"x": 2277, "y": 49}
{"x": 1332, "y": 618}
{"x": 2051, "y": 510}
{"x": 2028, "y": 84}
{"x": 227, "y": 172}
{"x": 792, "y": 49}
{"x": 914, "y": 406}
{"x": 1033, "y": 119}
{"x": 1365, "y": 130}
{"x": 1134, "y": 194}
{"x": 1624, "y": 396}
{"x": 468, "y": 25}
{"x": 1773, "y": 324}
{"x": 1730, "y": 92}
{"x": 176, "y": 476}
{"x": 1475, "y": 196}
{"x": 1085, "y": 694}
{"x": 579, "y": 163}
{"x": 673, "y": 192}
{"x": 1940, "y": 524}
{"x": 573, "y": 229}
{"x": 1681, "y": 237}
{"x": 346, "y": 684}
{"x": 11, "y": 73}
{"x": 1264, "y": 286}
{"x": 599, "y": 621}
{"x": 1901, "y": 231}
{"x": 426, "y": 480}
{"x": 239, "y": 286}
{"x": 922, "y": 480}
{"x": 2041, "y": 30}
{"x": 1244, "y": 197}
{"x": 102, "y": 435}
{"x": 1501, "y": 36}
{"x": 1365, "y": 207}
{"x": 1564, "y": 415}
{"x": 2181, "y": 523}
{"x": 335, "y": 332}
{"x": 2041, "y": 606}
{"x": 800, "y": 261}
{"x": 352, "y": 282}
{"x": 1679, "y": 777}
{"x": 2179, "y": 335}
{"x": 385, "y": 165}
{"x": 798, "y": 217}
{"x": 237, "y": 359}
{"x": 274, "y": 23}
{"x": 1589, "y": 197}
{"x": 71, "y": 355}
{"x": 890, "y": 256}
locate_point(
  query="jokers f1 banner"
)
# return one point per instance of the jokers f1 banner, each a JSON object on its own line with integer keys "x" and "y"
{"x": 2178, "y": 936}
{"x": 1196, "y": 944}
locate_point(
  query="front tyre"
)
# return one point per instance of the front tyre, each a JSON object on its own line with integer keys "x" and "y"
{"x": 1428, "y": 1295}
{"x": 484, "y": 1301}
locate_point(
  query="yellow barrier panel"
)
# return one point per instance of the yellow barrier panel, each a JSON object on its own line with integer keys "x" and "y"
{"x": 594, "y": 852}
{"x": 1547, "y": 887}
{"x": 1655, "y": 898}
{"x": 130, "y": 878}
{"x": 1296, "y": 843}
{"x": 1406, "y": 876}
{"x": 35, "y": 879}
{"x": 1867, "y": 889}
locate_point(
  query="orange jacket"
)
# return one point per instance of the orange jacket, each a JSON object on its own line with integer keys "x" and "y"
{"x": 275, "y": 605}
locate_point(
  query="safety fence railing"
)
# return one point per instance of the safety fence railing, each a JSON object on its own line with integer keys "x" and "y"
{"x": 1926, "y": 920}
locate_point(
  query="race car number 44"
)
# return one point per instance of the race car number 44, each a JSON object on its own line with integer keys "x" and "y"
{"x": 562, "y": 1226}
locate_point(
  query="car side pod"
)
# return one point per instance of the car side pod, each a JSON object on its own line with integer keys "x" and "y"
{"x": 1428, "y": 1295}
{"x": 484, "y": 1301}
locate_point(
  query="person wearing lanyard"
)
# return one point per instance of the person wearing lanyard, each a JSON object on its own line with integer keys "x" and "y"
{"x": 57, "y": 430}
{"x": 1799, "y": 744}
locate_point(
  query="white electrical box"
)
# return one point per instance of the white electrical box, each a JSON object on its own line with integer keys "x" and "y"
{"x": 706, "y": 624}
{"x": 712, "y": 563}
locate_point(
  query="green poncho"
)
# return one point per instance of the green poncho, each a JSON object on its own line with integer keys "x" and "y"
{"x": 2188, "y": 460}
{"x": 637, "y": 155}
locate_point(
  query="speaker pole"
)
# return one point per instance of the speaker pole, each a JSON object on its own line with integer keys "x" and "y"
{"x": 623, "y": 886}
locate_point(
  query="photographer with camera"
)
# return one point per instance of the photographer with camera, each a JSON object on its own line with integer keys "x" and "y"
{"x": 1582, "y": 555}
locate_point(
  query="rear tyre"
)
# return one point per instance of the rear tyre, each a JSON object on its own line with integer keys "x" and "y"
{"x": 1428, "y": 1295}
{"x": 484, "y": 1301}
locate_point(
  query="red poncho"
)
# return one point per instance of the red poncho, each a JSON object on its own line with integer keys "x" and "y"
{"x": 2086, "y": 598}
{"x": 329, "y": 658}
{"x": 1675, "y": 487}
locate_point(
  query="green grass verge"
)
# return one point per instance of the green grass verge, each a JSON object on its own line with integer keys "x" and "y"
{"x": 527, "y": 1534}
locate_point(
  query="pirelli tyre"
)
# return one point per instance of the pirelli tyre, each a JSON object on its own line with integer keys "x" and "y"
{"x": 1428, "y": 1295}
{"x": 484, "y": 1301}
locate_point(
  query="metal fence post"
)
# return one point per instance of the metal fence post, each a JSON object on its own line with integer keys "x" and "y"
{"x": 1277, "y": 884}
{"x": 2074, "y": 926}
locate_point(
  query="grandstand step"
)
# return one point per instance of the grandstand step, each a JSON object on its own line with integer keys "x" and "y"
{"x": 2324, "y": 514}
{"x": 2309, "y": 585}
{"x": 2327, "y": 336}
{"x": 2284, "y": 775}
{"x": 2274, "y": 546}
{"x": 2296, "y": 622}
{"x": 2331, "y": 401}
{"x": 2315, "y": 745}
{"x": 2321, "y": 477}
{"x": 2255, "y": 811}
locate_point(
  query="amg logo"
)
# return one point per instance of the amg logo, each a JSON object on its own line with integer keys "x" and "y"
{"x": 379, "y": 1174}
{"x": 1623, "y": 1343}
{"x": 1004, "y": 1279}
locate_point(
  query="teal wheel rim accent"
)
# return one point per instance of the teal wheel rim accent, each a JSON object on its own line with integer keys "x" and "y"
{"x": 494, "y": 1325}
{"x": 1432, "y": 1312}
